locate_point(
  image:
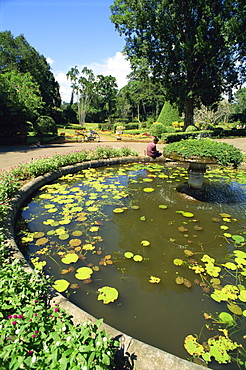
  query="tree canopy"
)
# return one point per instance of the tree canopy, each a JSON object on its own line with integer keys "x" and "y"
{"x": 195, "y": 47}
{"x": 17, "y": 54}
{"x": 20, "y": 102}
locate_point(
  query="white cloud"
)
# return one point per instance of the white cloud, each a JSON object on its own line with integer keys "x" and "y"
{"x": 49, "y": 61}
{"x": 65, "y": 86}
{"x": 116, "y": 66}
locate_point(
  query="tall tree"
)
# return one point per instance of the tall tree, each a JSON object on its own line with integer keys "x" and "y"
{"x": 84, "y": 86}
{"x": 20, "y": 102}
{"x": 17, "y": 54}
{"x": 196, "y": 47}
{"x": 107, "y": 91}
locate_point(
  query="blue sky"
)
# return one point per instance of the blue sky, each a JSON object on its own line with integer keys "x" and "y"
{"x": 68, "y": 33}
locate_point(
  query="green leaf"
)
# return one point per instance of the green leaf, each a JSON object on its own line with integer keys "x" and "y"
{"x": 148, "y": 190}
{"x": 83, "y": 273}
{"x": 107, "y": 294}
{"x": 128, "y": 254}
{"x": 145, "y": 243}
{"x": 226, "y": 318}
{"x": 162, "y": 206}
{"x": 70, "y": 258}
{"x": 137, "y": 258}
{"x": 61, "y": 285}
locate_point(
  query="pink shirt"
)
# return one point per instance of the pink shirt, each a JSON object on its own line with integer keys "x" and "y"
{"x": 151, "y": 149}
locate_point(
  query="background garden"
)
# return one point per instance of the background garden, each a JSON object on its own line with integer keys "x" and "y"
{"x": 31, "y": 109}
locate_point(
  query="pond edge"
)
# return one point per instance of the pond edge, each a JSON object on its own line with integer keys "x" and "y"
{"x": 141, "y": 355}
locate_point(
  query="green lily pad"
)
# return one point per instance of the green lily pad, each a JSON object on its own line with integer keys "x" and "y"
{"x": 137, "y": 258}
{"x": 238, "y": 238}
{"x": 178, "y": 262}
{"x": 107, "y": 294}
{"x": 118, "y": 210}
{"x": 242, "y": 296}
{"x": 230, "y": 265}
{"x": 70, "y": 258}
{"x": 188, "y": 214}
{"x": 234, "y": 308}
{"x": 226, "y": 318}
{"x": 145, "y": 243}
{"x": 63, "y": 236}
{"x": 61, "y": 285}
{"x": 148, "y": 190}
{"x": 83, "y": 273}
{"x": 128, "y": 254}
{"x": 162, "y": 206}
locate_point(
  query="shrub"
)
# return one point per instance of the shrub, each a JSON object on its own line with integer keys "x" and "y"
{"x": 157, "y": 129}
{"x": 169, "y": 114}
{"x": 224, "y": 153}
{"x": 191, "y": 128}
{"x": 44, "y": 125}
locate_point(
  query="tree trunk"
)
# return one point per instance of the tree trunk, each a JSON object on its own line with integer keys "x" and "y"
{"x": 189, "y": 113}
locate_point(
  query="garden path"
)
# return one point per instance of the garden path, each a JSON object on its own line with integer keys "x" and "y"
{"x": 11, "y": 156}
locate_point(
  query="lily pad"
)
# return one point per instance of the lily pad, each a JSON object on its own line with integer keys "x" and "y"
{"x": 178, "y": 262}
{"x": 42, "y": 241}
{"x": 238, "y": 238}
{"x": 38, "y": 235}
{"x": 75, "y": 242}
{"x": 145, "y": 243}
{"x": 148, "y": 190}
{"x": 179, "y": 280}
{"x": 107, "y": 294}
{"x": 83, "y": 273}
{"x": 70, "y": 258}
{"x": 128, "y": 254}
{"x": 226, "y": 318}
{"x": 162, "y": 206}
{"x": 137, "y": 258}
{"x": 118, "y": 210}
{"x": 154, "y": 280}
{"x": 61, "y": 285}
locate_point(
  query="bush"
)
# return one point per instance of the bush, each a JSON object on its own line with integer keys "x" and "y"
{"x": 157, "y": 129}
{"x": 169, "y": 114}
{"x": 224, "y": 153}
{"x": 191, "y": 128}
{"x": 44, "y": 125}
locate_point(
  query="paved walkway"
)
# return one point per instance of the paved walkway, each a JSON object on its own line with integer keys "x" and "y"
{"x": 11, "y": 156}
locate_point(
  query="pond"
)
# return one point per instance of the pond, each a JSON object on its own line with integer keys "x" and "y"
{"x": 165, "y": 254}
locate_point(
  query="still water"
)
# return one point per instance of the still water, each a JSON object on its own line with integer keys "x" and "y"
{"x": 100, "y": 214}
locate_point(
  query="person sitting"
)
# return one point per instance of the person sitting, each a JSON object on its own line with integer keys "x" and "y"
{"x": 151, "y": 149}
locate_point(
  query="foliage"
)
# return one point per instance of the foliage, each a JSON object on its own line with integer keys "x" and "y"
{"x": 44, "y": 125}
{"x": 20, "y": 101}
{"x": 17, "y": 54}
{"x": 191, "y": 128}
{"x": 141, "y": 98}
{"x": 195, "y": 48}
{"x": 157, "y": 129}
{"x": 168, "y": 115}
{"x": 206, "y": 117}
{"x": 224, "y": 153}
{"x": 35, "y": 335}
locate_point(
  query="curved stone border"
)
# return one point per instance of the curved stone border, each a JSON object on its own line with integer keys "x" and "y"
{"x": 140, "y": 355}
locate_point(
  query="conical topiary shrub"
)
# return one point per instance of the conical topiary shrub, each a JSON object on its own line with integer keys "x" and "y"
{"x": 169, "y": 114}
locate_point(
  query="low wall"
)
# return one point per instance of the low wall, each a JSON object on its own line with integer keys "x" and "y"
{"x": 140, "y": 356}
